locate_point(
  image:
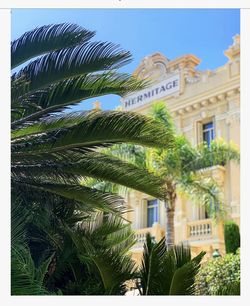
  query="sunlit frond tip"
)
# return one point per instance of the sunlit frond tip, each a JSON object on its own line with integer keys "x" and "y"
{"x": 47, "y": 38}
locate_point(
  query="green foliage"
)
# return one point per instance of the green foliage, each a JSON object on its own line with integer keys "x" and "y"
{"x": 47, "y": 38}
{"x": 183, "y": 167}
{"x": 231, "y": 236}
{"x": 220, "y": 276}
{"x": 104, "y": 244}
{"x": 167, "y": 272}
{"x": 55, "y": 154}
{"x": 85, "y": 252}
{"x": 26, "y": 278}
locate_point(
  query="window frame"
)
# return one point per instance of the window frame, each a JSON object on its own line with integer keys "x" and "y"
{"x": 210, "y": 131}
{"x": 155, "y": 207}
{"x": 199, "y": 128}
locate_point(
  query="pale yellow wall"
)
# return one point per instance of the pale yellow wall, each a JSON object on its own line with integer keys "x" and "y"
{"x": 203, "y": 95}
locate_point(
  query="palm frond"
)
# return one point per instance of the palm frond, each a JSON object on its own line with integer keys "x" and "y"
{"x": 183, "y": 279}
{"x": 98, "y": 127}
{"x": 219, "y": 153}
{"x": 71, "y": 91}
{"x": 47, "y": 38}
{"x": 167, "y": 272}
{"x": 114, "y": 267}
{"x": 153, "y": 254}
{"x": 160, "y": 113}
{"x": 90, "y": 198}
{"x": 70, "y": 62}
{"x": 26, "y": 279}
{"x": 203, "y": 191}
{"x": 99, "y": 166}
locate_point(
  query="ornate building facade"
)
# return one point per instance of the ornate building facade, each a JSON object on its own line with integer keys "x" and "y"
{"x": 204, "y": 105}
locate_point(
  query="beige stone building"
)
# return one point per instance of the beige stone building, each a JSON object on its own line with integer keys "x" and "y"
{"x": 205, "y": 105}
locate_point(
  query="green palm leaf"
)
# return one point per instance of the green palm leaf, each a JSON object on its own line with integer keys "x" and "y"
{"x": 167, "y": 271}
{"x": 114, "y": 267}
{"x": 98, "y": 127}
{"x": 73, "y": 90}
{"x": 54, "y": 156}
{"x": 203, "y": 191}
{"x": 153, "y": 254}
{"x": 95, "y": 165}
{"x": 47, "y": 38}
{"x": 183, "y": 279}
{"x": 89, "y": 197}
{"x": 70, "y": 62}
{"x": 26, "y": 278}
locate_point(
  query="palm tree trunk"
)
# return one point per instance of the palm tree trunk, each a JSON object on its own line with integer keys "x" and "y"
{"x": 169, "y": 225}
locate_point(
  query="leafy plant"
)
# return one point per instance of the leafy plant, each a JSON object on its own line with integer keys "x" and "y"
{"x": 104, "y": 244}
{"x": 167, "y": 272}
{"x": 220, "y": 276}
{"x": 26, "y": 278}
{"x": 231, "y": 236}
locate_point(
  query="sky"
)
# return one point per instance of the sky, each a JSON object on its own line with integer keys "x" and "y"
{"x": 205, "y": 33}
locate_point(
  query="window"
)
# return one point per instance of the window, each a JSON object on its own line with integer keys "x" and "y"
{"x": 206, "y": 213}
{"x": 208, "y": 132}
{"x": 152, "y": 212}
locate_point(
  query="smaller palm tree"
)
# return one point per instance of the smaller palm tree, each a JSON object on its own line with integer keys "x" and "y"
{"x": 167, "y": 272}
{"x": 182, "y": 168}
{"x": 103, "y": 244}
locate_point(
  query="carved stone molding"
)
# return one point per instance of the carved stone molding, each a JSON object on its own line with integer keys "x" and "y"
{"x": 232, "y": 119}
{"x": 197, "y": 106}
{"x": 189, "y": 109}
{"x": 232, "y": 93}
{"x": 231, "y": 96}
{"x": 204, "y": 102}
{"x": 221, "y": 97}
{"x": 213, "y": 100}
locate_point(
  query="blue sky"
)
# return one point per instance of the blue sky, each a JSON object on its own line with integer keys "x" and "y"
{"x": 205, "y": 33}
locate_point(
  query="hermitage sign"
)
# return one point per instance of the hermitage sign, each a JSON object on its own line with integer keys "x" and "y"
{"x": 155, "y": 92}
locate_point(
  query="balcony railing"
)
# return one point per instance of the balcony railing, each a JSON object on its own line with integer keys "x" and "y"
{"x": 199, "y": 229}
{"x": 140, "y": 235}
{"x": 155, "y": 231}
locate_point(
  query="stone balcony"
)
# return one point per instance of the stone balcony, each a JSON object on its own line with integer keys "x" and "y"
{"x": 156, "y": 231}
{"x": 200, "y": 230}
{"x": 215, "y": 172}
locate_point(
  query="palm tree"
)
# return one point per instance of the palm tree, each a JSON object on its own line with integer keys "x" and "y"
{"x": 53, "y": 152}
{"x": 104, "y": 245}
{"x": 167, "y": 272}
{"x": 181, "y": 167}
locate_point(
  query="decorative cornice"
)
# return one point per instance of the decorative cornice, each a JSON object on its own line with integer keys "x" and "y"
{"x": 206, "y": 102}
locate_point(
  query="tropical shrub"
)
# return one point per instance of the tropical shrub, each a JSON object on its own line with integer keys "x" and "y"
{"x": 231, "y": 236}
{"x": 167, "y": 271}
{"x": 220, "y": 276}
